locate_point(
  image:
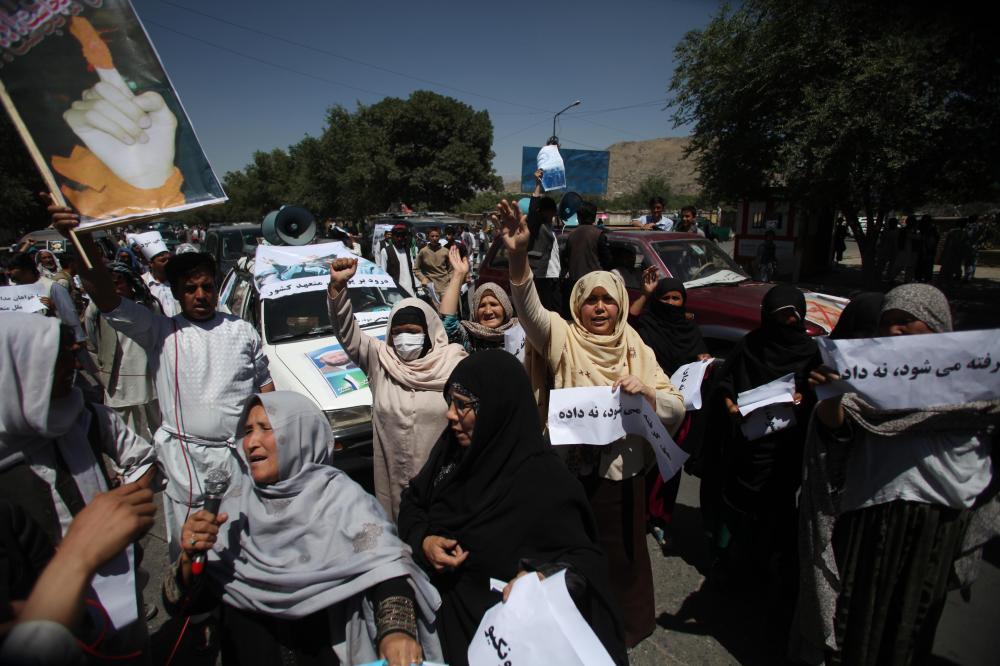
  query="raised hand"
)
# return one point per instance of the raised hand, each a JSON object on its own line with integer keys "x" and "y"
{"x": 341, "y": 271}
{"x": 650, "y": 278}
{"x": 459, "y": 264}
{"x": 513, "y": 227}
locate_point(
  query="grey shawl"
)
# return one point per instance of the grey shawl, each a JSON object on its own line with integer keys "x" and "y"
{"x": 492, "y": 334}
{"x": 314, "y": 540}
{"x": 824, "y": 463}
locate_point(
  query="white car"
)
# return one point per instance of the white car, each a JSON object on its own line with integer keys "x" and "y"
{"x": 304, "y": 355}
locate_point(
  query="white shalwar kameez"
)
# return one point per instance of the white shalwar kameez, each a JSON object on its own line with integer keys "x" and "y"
{"x": 161, "y": 290}
{"x": 204, "y": 373}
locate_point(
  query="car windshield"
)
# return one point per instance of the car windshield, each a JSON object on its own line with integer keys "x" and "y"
{"x": 304, "y": 315}
{"x": 698, "y": 263}
{"x": 234, "y": 242}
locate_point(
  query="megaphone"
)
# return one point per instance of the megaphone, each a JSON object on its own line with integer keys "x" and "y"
{"x": 289, "y": 225}
{"x": 568, "y": 206}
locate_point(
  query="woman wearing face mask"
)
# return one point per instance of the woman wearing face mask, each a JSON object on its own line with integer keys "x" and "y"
{"x": 494, "y": 501}
{"x": 492, "y": 313}
{"x": 749, "y": 487}
{"x": 405, "y": 374}
{"x": 599, "y": 348}
{"x": 660, "y": 316}
{"x": 890, "y": 501}
{"x": 306, "y": 565}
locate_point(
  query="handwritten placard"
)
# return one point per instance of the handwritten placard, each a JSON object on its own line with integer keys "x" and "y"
{"x": 287, "y": 270}
{"x": 539, "y": 625}
{"x": 596, "y": 415}
{"x": 553, "y": 169}
{"x": 768, "y": 420}
{"x": 514, "y": 341}
{"x": 780, "y": 390}
{"x": 688, "y": 379}
{"x": 916, "y": 371}
{"x": 23, "y": 298}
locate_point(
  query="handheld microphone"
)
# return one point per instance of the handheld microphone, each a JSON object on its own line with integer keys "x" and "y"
{"x": 216, "y": 485}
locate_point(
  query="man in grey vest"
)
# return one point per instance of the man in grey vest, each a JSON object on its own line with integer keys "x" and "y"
{"x": 587, "y": 246}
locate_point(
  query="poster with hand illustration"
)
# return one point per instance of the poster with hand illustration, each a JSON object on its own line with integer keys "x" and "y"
{"x": 91, "y": 100}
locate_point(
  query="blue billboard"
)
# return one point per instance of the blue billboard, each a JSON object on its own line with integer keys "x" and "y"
{"x": 586, "y": 170}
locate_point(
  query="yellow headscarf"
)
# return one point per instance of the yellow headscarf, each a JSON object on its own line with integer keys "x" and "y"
{"x": 578, "y": 357}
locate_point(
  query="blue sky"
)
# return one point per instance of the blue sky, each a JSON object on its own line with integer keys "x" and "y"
{"x": 268, "y": 86}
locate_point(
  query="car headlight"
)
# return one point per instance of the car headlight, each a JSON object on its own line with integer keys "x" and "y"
{"x": 341, "y": 419}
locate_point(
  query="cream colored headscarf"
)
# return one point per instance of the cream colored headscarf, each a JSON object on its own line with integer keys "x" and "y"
{"x": 578, "y": 357}
{"x": 430, "y": 371}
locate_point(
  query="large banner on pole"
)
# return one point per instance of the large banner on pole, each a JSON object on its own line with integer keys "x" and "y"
{"x": 89, "y": 96}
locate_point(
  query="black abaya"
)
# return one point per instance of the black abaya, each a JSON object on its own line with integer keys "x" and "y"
{"x": 511, "y": 503}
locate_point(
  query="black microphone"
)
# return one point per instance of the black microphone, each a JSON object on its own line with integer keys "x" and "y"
{"x": 216, "y": 485}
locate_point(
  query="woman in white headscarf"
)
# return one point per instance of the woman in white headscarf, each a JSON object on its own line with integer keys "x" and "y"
{"x": 406, "y": 375}
{"x": 306, "y": 565}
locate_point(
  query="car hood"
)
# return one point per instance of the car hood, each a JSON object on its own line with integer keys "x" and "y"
{"x": 298, "y": 365}
{"x": 742, "y": 302}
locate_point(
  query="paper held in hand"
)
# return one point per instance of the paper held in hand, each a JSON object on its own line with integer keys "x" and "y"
{"x": 688, "y": 379}
{"x": 553, "y": 169}
{"x": 596, "y": 415}
{"x": 915, "y": 371}
{"x": 538, "y": 626}
{"x": 23, "y": 297}
{"x": 768, "y": 408}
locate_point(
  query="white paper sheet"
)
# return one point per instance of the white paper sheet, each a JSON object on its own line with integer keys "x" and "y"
{"x": 585, "y": 415}
{"x": 688, "y": 380}
{"x": 639, "y": 418}
{"x": 514, "y": 341}
{"x": 553, "y": 169}
{"x": 538, "y": 626}
{"x": 23, "y": 298}
{"x": 916, "y": 371}
{"x": 780, "y": 390}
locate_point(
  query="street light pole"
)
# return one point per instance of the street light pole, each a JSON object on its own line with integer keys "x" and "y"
{"x": 554, "y": 140}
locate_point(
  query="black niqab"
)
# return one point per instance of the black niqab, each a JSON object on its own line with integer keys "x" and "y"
{"x": 860, "y": 318}
{"x": 507, "y": 500}
{"x": 774, "y": 349}
{"x": 675, "y": 339}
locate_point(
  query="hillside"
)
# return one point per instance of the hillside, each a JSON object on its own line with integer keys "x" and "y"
{"x": 633, "y": 161}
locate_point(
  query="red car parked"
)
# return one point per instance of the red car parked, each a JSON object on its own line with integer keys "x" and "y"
{"x": 723, "y": 298}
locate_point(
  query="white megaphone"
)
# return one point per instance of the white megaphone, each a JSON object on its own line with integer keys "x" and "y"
{"x": 289, "y": 225}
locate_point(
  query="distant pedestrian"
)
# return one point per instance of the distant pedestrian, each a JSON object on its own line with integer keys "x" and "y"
{"x": 888, "y": 248}
{"x": 839, "y": 240}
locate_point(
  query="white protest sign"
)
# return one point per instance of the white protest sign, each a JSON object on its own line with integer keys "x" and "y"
{"x": 281, "y": 270}
{"x": 595, "y": 415}
{"x": 687, "y": 380}
{"x": 639, "y": 418}
{"x": 553, "y": 170}
{"x": 369, "y": 319}
{"x": 514, "y": 341}
{"x": 23, "y": 298}
{"x": 539, "y": 625}
{"x": 767, "y": 420}
{"x": 780, "y": 390}
{"x": 916, "y": 371}
{"x": 585, "y": 415}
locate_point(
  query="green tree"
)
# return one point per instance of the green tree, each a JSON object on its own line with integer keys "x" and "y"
{"x": 428, "y": 151}
{"x": 843, "y": 105}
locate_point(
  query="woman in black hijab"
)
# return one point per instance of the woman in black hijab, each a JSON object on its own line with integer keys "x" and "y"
{"x": 749, "y": 491}
{"x": 494, "y": 500}
{"x": 675, "y": 338}
{"x": 860, "y": 318}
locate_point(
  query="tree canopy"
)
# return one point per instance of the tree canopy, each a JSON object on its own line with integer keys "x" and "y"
{"x": 844, "y": 105}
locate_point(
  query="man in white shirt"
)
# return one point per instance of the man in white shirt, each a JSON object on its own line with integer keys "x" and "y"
{"x": 395, "y": 259}
{"x": 155, "y": 251}
{"x": 23, "y": 270}
{"x": 205, "y": 366}
{"x": 656, "y": 219}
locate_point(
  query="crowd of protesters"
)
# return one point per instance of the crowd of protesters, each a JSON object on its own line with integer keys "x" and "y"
{"x": 846, "y": 529}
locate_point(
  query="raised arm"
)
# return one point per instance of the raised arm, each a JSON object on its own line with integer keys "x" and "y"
{"x": 354, "y": 341}
{"x": 459, "y": 272}
{"x": 97, "y": 280}
{"x": 650, "y": 277}
{"x": 532, "y": 315}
